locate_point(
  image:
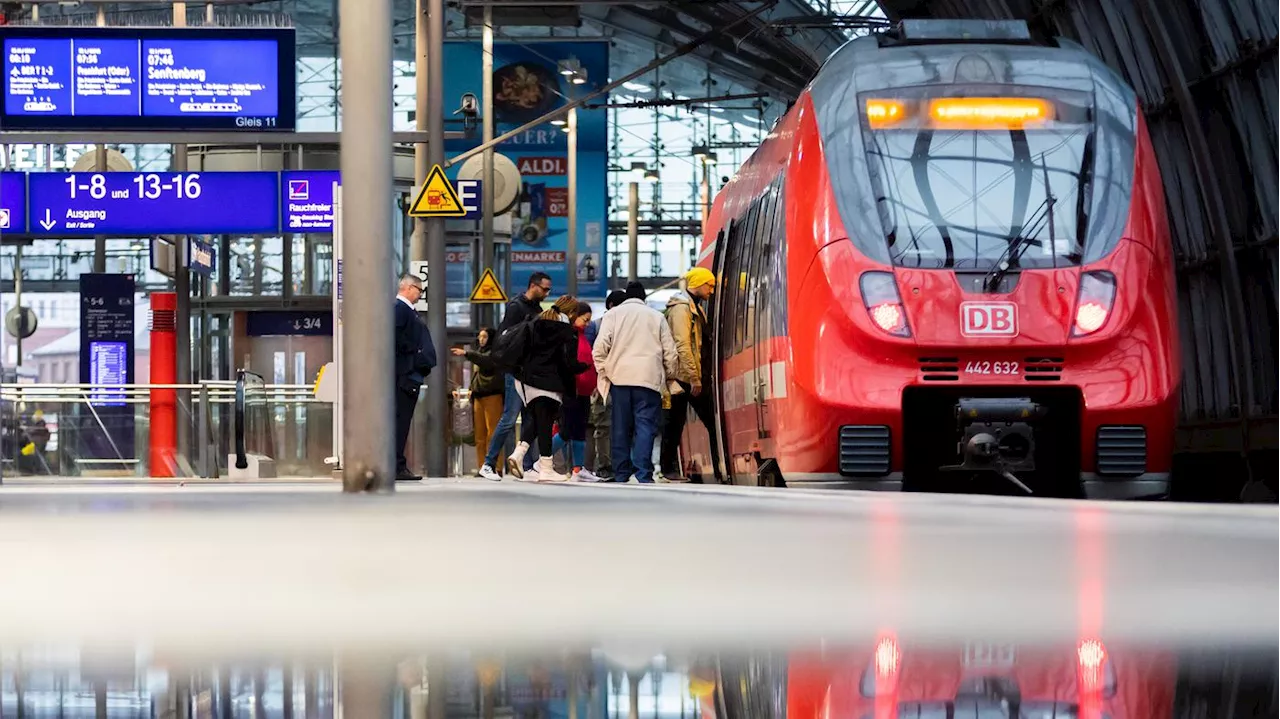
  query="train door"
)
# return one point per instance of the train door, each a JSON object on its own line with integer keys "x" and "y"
{"x": 718, "y": 330}
{"x": 758, "y": 299}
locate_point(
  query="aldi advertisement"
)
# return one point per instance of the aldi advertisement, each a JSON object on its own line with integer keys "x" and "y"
{"x": 526, "y": 85}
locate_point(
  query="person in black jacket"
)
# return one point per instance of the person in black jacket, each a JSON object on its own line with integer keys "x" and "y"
{"x": 415, "y": 358}
{"x": 518, "y": 310}
{"x": 487, "y": 388}
{"x": 545, "y": 376}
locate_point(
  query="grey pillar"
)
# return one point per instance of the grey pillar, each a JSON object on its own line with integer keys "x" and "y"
{"x": 572, "y": 247}
{"x": 417, "y": 249}
{"x": 100, "y": 165}
{"x": 367, "y": 684}
{"x": 181, "y": 288}
{"x": 486, "y": 260}
{"x": 437, "y": 382}
{"x": 633, "y": 231}
{"x": 368, "y": 416}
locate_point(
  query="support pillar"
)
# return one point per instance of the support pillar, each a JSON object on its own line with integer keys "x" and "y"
{"x": 164, "y": 402}
{"x": 438, "y": 380}
{"x": 365, "y": 43}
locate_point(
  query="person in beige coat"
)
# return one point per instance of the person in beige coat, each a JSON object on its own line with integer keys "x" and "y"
{"x": 635, "y": 357}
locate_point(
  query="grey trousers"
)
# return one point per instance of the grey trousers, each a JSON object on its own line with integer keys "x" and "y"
{"x": 598, "y": 424}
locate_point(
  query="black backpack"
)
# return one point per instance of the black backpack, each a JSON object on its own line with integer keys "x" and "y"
{"x": 512, "y": 344}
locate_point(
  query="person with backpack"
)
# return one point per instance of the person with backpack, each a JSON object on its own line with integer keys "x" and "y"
{"x": 545, "y": 379}
{"x": 577, "y": 404}
{"x": 520, "y": 309}
{"x": 487, "y": 387}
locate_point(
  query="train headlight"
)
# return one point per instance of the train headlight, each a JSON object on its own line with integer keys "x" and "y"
{"x": 1097, "y": 293}
{"x": 880, "y": 295}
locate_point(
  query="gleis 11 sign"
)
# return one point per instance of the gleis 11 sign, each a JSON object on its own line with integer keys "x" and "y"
{"x": 148, "y": 78}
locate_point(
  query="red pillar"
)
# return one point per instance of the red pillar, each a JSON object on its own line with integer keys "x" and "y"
{"x": 164, "y": 370}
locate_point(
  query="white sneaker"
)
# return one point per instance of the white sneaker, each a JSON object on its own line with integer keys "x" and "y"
{"x": 486, "y": 472}
{"x": 547, "y": 471}
{"x": 585, "y": 475}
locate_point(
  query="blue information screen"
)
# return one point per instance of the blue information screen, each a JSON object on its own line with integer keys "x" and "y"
{"x": 306, "y": 200}
{"x": 13, "y": 202}
{"x": 108, "y": 365}
{"x": 148, "y": 78}
{"x": 149, "y": 203}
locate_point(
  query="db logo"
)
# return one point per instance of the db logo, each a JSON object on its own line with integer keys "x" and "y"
{"x": 987, "y": 319}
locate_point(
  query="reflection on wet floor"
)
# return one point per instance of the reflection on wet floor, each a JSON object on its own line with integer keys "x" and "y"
{"x": 886, "y": 678}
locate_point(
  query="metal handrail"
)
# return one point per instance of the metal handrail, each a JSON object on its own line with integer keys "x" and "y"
{"x": 218, "y": 392}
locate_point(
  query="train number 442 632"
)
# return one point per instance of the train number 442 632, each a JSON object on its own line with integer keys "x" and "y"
{"x": 984, "y": 367}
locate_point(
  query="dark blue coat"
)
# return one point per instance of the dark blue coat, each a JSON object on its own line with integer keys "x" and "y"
{"x": 415, "y": 352}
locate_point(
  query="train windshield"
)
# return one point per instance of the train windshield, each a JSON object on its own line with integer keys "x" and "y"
{"x": 962, "y": 175}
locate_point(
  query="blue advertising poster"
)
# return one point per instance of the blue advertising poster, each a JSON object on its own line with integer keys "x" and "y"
{"x": 13, "y": 202}
{"x": 527, "y": 84}
{"x": 144, "y": 203}
{"x": 148, "y": 78}
{"x": 201, "y": 256}
{"x": 106, "y": 357}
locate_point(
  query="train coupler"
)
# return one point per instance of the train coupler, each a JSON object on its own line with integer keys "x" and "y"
{"x": 997, "y": 434}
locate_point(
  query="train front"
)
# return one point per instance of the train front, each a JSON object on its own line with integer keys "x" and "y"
{"x": 1008, "y": 242}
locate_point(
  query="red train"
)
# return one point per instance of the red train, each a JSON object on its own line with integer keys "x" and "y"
{"x": 947, "y": 266}
{"x": 976, "y": 679}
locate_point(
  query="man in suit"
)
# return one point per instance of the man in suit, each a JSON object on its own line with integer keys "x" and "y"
{"x": 415, "y": 358}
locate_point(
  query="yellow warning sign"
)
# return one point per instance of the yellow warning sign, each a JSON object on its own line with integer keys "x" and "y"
{"x": 488, "y": 290}
{"x": 437, "y": 198}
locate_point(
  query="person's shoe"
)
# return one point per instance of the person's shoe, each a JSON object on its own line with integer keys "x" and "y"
{"x": 408, "y": 478}
{"x": 547, "y": 471}
{"x": 486, "y": 472}
{"x": 585, "y": 475}
{"x": 516, "y": 460}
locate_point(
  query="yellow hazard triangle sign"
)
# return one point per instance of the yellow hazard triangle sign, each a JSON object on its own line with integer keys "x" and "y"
{"x": 437, "y": 198}
{"x": 488, "y": 289}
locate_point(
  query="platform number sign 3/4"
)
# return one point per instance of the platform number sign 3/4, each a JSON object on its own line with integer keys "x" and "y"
{"x": 988, "y": 319}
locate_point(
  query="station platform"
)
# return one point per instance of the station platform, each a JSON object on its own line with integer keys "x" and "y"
{"x": 297, "y": 564}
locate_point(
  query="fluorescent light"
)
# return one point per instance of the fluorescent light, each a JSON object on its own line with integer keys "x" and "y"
{"x": 637, "y": 86}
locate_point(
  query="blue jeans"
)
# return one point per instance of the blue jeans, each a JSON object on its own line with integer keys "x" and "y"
{"x": 511, "y": 406}
{"x": 634, "y": 415}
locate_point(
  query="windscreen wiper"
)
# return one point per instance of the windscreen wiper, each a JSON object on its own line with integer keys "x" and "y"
{"x": 1020, "y": 242}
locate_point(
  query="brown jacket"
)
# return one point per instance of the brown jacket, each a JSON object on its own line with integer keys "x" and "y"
{"x": 688, "y": 328}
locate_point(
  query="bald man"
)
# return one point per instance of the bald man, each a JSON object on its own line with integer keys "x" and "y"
{"x": 415, "y": 358}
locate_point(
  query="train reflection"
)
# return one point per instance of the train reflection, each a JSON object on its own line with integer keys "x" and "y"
{"x": 888, "y": 677}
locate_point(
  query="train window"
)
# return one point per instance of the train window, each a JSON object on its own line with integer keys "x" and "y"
{"x": 778, "y": 285}
{"x": 958, "y": 195}
{"x": 729, "y": 299}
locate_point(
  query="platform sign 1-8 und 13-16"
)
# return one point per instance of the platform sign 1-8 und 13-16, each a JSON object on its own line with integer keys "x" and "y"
{"x": 146, "y": 203}
{"x": 128, "y": 204}
{"x": 148, "y": 78}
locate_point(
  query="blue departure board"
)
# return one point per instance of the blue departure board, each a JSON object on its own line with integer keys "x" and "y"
{"x": 150, "y": 203}
{"x": 148, "y": 78}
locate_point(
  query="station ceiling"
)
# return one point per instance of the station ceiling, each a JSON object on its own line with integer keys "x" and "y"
{"x": 770, "y": 46}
